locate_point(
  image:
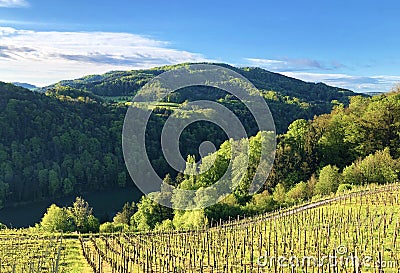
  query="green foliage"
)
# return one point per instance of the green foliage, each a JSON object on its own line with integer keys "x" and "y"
{"x": 205, "y": 196}
{"x": 344, "y": 188}
{"x": 165, "y": 226}
{"x": 182, "y": 199}
{"x": 76, "y": 218}
{"x": 189, "y": 220}
{"x": 109, "y": 227}
{"x": 298, "y": 193}
{"x": 311, "y": 186}
{"x": 57, "y": 219}
{"x": 332, "y": 145}
{"x": 297, "y": 131}
{"x": 92, "y": 224}
{"x": 81, "y": 212}
{"x": 328, "y": 180}
{"x": 374, "y": 124}
{"x": 3, "y": 192}
{"x": 279, "y": 194}
{"x": 54, "y": 182}
{"x": 229, "y": 207}
{"x": 124, "y": 216}
{"x": 260, "y": 203}
{"x": 352, "y": 174}
{"x": 148, "y": 214}
{"x": 378, "y": 168}
{"x": 50, "y": 148}
{"x": 290, "y": 99}
{"x": 68, "y": 186}
{"x": 368, "y": 125}
{"x": 122, "y": 179}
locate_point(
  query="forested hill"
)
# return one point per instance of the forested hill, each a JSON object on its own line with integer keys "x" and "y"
{"x": 52, "y": 148}
{"x": 127, "y": 83}
{"x": 68, "y": 139}
{"x": 288, "y": 98}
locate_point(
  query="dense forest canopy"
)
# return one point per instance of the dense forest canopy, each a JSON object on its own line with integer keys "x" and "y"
{"x": 288, "y": 98}
{"x": 127, "y": 83}
{"x": 66, "y": 138}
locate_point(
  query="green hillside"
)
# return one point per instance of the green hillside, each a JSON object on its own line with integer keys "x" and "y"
{"x": 52, "y": 148}
{"x": 127, "y": 83}
{"x": 289, "y": 99}
{"x": 66, "y": 138}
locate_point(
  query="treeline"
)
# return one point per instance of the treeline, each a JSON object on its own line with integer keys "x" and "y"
{"x": 339, "y": 138}
{"x": 79, "y": 217}
{"x": 115, "y": 83}
{"x": 355, "y": 145}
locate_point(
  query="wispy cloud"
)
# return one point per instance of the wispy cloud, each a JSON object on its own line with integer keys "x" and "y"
{"x": 329, "y": 72}
{"x": 7, "y": 22}
{"x": 13, "y": 4}
{"x": 288, "y": 64}
{"x": 379, "y": 83}
{"x": 48, "y": 56}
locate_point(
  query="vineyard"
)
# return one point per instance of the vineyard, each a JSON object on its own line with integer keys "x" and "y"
{"x": 356, "y": 232}
{"x": 353, "y": 233}
{"x": 30, "y": 253}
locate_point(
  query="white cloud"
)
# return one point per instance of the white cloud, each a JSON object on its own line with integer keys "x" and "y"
{"x": 44, "y": 57}
{"x": 313, "y": 71}
{"x": 13, "y": 4}
{"x": 381, "y": 83}
{"x": 289, "y": 64}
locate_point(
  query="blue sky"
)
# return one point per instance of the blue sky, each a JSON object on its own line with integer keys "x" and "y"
{"x": 352, "y": 44}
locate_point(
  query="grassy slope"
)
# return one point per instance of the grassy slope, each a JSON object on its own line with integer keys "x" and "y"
{"x": 74, "y": 261}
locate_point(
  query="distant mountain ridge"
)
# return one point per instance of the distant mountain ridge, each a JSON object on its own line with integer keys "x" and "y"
{"x": 373, "y": 93}
{"x": 25, "y": 85}
{"x": 127, "y": 83}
